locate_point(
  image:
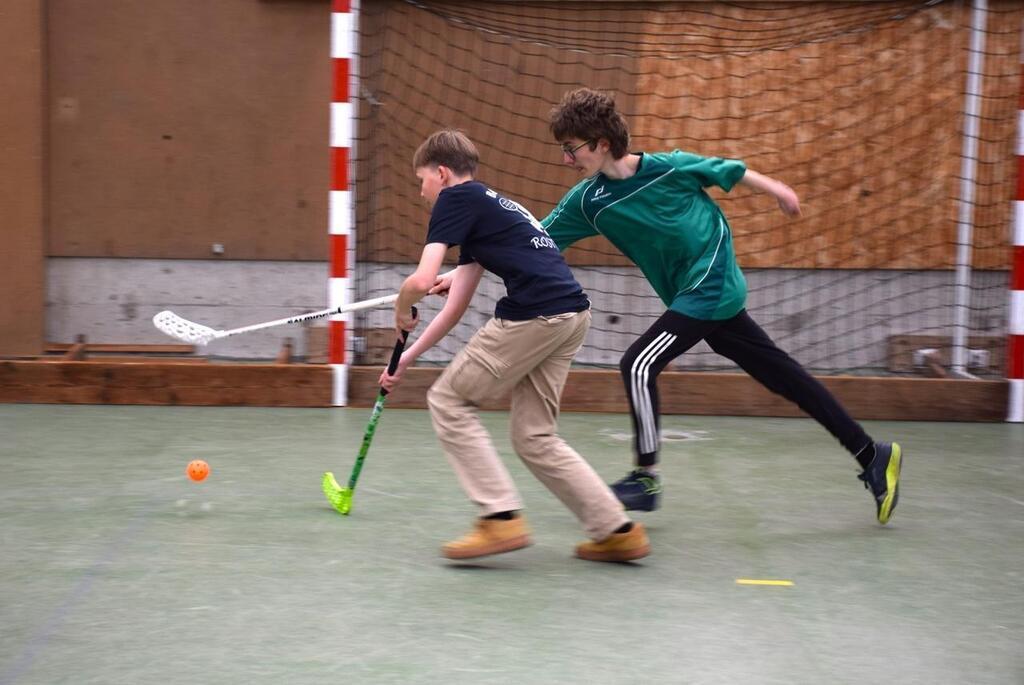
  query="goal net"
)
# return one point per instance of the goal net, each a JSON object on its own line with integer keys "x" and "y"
{"x": 859, "y": 106}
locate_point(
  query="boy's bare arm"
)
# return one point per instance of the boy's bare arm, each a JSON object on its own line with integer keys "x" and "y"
{"x": 788, "y": 201}
{"x": 465, "y": 280}
{"x": 416, "y": 286}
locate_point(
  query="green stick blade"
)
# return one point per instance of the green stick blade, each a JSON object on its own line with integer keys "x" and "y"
{"x": 339, "y": 497}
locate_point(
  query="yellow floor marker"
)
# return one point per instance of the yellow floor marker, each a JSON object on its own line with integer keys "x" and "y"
{"x": 750, "y": 581}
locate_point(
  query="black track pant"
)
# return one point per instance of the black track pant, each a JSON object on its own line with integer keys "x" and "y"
{"x": 741, "y": 340}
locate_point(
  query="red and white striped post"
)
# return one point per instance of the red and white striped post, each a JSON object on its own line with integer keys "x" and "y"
{"x": 1015, "y": 342}
{"x": 339, "y": 203}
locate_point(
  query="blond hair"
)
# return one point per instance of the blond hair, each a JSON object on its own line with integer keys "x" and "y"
{"x": 449, "y": 148}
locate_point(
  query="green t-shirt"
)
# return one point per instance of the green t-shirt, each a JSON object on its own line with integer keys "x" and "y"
{"x": 662, "y": 219}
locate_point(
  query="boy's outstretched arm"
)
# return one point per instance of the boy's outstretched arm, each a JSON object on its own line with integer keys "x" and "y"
{"x": 789, "y": 203}
{"x": 464, "y": 281}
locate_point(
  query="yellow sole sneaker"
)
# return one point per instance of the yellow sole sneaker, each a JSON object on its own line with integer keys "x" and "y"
{"x": 489, "y": 536}
{"x": 618, "y": 546}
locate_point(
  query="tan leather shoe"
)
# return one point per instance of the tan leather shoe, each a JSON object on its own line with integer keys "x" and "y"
{"x": 489, "y": 536}
{"x": 617, "y": 546}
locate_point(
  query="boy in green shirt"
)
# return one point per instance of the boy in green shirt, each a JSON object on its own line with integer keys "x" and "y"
{"x": 653, "y": 208}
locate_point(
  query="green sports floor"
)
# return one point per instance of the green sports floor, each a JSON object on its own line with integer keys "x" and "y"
{"x": 115, "y": 568}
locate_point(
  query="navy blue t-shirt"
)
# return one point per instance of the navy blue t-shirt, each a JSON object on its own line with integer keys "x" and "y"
{"x": 503, "y": 237}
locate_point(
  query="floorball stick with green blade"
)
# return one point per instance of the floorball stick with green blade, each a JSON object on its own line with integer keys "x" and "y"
{"x": 339, "y": 497}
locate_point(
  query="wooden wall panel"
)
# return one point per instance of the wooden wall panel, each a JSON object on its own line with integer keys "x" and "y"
{"x": 423, "y": 74}
{"x": 857, "y": 105}
{"x": 864, "y": 126}
{"x": 176, "y": 125}
{"x": 22, "y": 276}
{"x": 997, "y": 167}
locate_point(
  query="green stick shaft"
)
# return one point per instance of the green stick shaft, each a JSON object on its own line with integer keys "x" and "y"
{"x": 378, "y": 407}
{"x": 371, "y": 428}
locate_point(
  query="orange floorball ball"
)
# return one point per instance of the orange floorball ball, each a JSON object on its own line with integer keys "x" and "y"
{"x": 197, "y": 470}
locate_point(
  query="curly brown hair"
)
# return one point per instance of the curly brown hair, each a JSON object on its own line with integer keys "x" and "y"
{"x": 590, "y": 115}
{"x": 450, "y": 148}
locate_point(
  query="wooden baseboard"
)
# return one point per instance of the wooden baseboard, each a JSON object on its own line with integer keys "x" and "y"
{"x": 121, "y": 348}
{"x": 157, "y": 382}
{"x": 734, "y": 394}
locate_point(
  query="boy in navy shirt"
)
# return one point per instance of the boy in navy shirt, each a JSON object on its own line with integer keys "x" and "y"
{"x": 525, "y": 351}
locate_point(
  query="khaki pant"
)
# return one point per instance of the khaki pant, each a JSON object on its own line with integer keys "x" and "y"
{"x": 530, "y": 360}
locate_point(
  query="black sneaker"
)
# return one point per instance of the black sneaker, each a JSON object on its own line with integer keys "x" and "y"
{"x": 638, "y": 491}
{"x": 882, "y": 477}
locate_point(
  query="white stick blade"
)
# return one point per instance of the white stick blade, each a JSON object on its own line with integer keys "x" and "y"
{"x": 182, "y": 329}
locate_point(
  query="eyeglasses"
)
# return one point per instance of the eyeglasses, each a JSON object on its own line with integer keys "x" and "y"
{"x": 571, "y": 151}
